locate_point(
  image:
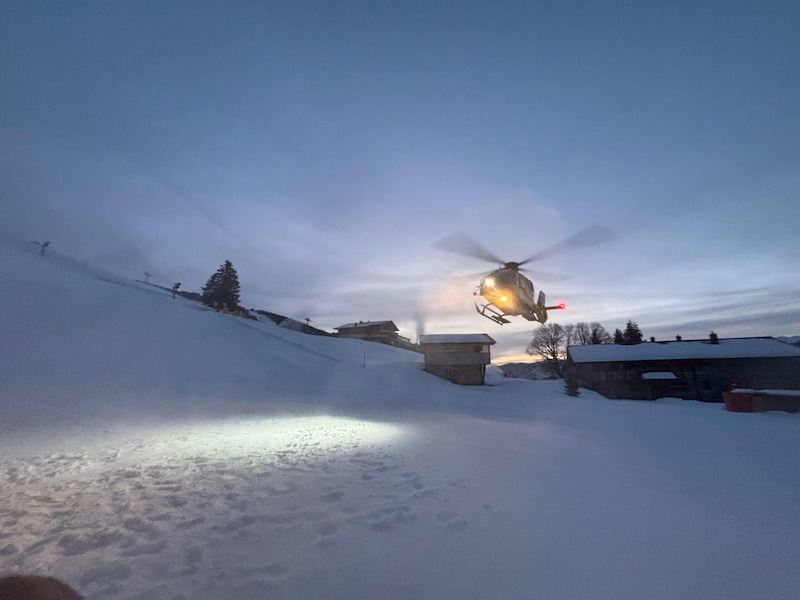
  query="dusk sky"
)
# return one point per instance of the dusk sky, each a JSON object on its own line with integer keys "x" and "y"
{"x": 323, "y": 147}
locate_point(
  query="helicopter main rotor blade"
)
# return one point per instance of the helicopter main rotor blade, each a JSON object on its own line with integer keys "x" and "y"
{"x": 461, "y": 243}
{"x": 535, "y": 274}
{"x": 585, "y": 238}
{"x": 545, "y": 276}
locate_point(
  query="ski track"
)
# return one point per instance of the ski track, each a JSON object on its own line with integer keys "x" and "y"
{"x": 128, "y": 519}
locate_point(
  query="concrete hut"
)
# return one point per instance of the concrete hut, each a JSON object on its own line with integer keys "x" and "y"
{"x": 460, "y": 358}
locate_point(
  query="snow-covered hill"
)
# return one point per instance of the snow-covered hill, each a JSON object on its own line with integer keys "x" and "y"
{"x": 150, "y": 448}
{"x": 535, "y": 371}
{"x": 794, "y": 340}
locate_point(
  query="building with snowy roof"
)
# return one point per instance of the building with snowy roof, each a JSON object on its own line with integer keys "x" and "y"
{"x": 384, "y": 332}
{"x": 460, "y": 358}
{"x": 691, "y": 369}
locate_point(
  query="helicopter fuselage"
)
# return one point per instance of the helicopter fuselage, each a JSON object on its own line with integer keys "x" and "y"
{"x": 508, "y": 290}
{"x": 509, "y": 293}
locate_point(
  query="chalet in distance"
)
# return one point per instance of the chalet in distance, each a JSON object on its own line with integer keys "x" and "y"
{"x": 460, "y": 358}
{"x": 691, "y": 369}
{"x": 384, "y": 332}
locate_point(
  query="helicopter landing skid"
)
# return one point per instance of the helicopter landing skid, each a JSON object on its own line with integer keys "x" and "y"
{"x": 493, "y": 314}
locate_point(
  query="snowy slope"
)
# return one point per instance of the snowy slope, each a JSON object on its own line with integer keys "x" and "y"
{"x": 82, "y": 335}
{"x": 150, "y": 448}
{"x": 794, "y": 340}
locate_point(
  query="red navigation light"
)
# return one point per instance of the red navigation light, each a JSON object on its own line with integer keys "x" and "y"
{"x": 562, "y": 306}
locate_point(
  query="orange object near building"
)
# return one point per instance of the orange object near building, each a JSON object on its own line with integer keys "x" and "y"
{"x": 738, "y": 402}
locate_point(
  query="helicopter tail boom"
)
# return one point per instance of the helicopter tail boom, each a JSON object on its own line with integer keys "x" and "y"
{"x": 540, "y": 310}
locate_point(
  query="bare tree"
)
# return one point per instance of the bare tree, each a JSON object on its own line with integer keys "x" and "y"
{"x": 599, "y": 334}
{"x": 548, "y": 342}
{"x": 569, "y": 336}
{"x": 582, "y": 335}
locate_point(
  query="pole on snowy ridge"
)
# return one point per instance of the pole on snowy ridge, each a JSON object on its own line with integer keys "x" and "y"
{"x": 43, "y": 245}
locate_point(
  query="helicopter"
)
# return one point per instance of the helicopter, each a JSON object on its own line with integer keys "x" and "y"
{"x": 506, "y": 291}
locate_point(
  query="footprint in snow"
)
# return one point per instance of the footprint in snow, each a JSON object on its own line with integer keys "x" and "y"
{"x": 315, "y": 515}
{"x": 190, "y": 523}
{"x": 194, "y": 554}
{"x": 72, "y": 544}
{"x": 327, "y": 528}
{"x": 144, "y": 549}
{"x": 451, "y": 521}
{"x": 385, "y": 519}
{"x": 237, "y": 523}
{"x": 107, "y": 573}
{"x": 333, "y": 496}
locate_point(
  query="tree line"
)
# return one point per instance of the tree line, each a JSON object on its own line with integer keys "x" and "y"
{"x": 551, "y": 340}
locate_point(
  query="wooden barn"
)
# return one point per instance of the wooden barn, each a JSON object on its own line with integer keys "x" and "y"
{"x": 460, "y": 358}
{"x": 690, "y": 369}
{"x": 384, "y": 332}
{"x": 371, "y": 331}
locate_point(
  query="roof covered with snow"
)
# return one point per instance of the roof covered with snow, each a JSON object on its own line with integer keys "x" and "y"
{"x": 456, "y": 338}
{"x": 761, "y": 347}
{"x": 362, "y": 324}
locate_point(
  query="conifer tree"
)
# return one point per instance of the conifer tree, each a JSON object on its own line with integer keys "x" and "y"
{"x": 599, "y": 334}
{"x": 571, "y": 384}
{"x": 632, "y": 333}
{"x": 222, "y": 288}
{"x": 618, "y": 337}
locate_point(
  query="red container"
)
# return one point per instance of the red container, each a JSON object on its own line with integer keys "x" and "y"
{"x": 738, "y": 402}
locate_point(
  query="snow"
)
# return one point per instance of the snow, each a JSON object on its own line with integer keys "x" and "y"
{"x": 455, "y": 338}
{"x": 659, "y": 375}
{"x": 726, "y": 348}
{"x": 362, "y": 324}
{"x": 150, "y": 448}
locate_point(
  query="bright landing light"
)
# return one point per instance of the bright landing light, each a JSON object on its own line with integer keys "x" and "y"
{"x": 262, "y": 436}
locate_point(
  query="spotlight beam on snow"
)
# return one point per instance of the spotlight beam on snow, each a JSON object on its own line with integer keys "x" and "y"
{"x": 305, "y": 437}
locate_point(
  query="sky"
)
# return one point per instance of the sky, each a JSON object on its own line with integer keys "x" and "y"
{"x": 323, "y": 147}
